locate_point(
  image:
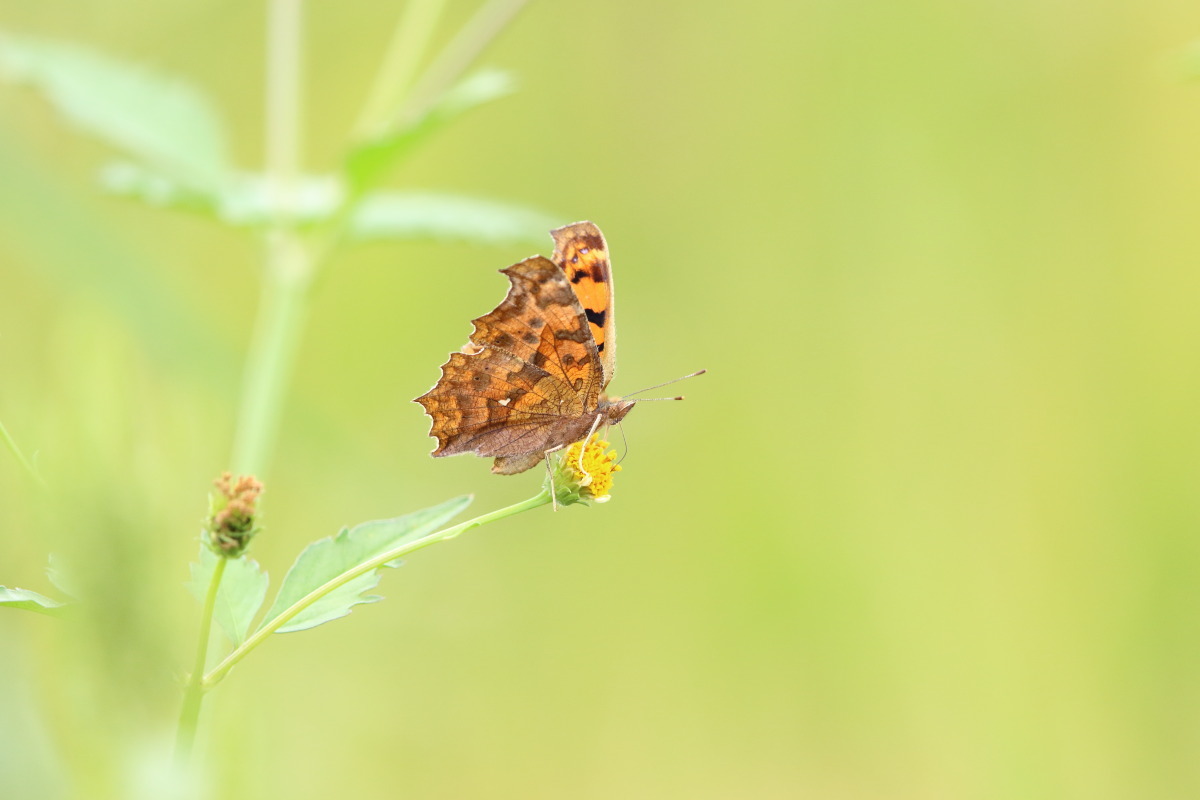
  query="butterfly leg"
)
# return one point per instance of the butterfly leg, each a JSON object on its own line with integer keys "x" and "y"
{"x": 550, "y": 477}
{"x": 550, "y": 472}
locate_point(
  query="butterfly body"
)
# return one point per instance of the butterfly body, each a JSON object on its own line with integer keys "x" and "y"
{"x": 531, "y": 379}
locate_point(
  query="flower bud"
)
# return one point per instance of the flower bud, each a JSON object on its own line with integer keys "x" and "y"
{"x": 231, "y": 520}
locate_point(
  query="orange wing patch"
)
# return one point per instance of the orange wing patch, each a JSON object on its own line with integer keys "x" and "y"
{"x": 581, "y": 252}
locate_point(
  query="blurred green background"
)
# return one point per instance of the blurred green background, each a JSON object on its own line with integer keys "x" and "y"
{"x": 928, "y": 529}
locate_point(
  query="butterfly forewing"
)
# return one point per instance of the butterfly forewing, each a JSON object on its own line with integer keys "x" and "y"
{"x": 581, "y": 252}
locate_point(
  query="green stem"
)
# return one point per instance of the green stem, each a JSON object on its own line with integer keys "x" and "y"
{"x": 289, "y": 266}
{"x": 221, "y": 670}
{"x": 271, "y": 359}
{"x": 281, "y": 312}
{"x": 454, "y": 59}
{"x": 16, "y": 451}
{"x": 194, "y": 692}
{"x": 409, "y": 42}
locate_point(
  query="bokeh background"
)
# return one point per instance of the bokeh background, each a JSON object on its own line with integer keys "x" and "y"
{"x": 928, "y": 528}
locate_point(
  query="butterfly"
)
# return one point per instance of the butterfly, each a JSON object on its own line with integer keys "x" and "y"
{"x": 531, "y": 379}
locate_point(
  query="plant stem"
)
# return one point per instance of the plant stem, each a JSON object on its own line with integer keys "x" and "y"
{"x": 194, "y": 692}
{"x": 221, "y": 670}
{"x": 16, "y": 451}
{"x": 289, "y": 265}
{"x": 463, "y": 49}
{"x": 281, "y": 310}
{"x": 409, "y": 42}
{"x": 285, "y": 29}
{"x": 272, "y": 355}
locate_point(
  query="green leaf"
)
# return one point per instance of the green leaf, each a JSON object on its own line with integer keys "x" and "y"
{"x": 324, "y": 560}
{"x": 429, "y": 215}
{"x": 367, "y": 163}
{"x": 158, "y": 118}
{"x": 242, "y": 199}
{"x": 240, "y": 596}
{"x": 30, "y": 601}
{"x": 245, "y": 200}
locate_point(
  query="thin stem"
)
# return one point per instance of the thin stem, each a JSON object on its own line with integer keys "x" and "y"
{"x": 285, "y": 30}
{"x": 221, "y": 670}
{"x": 477, "y": 34}
{"x": 16, "y": 451}
{"x": 409, "y": 42}
{"x": 269, "y": 363}
{"x": 289, "y": 266}
{"x": 194, "y": 692}
{"x": 281, "y": 312}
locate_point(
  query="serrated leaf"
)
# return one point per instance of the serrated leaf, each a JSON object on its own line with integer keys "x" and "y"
{"x": 242, "y": 199}
{"x": 369, "y": 161}
{"x": 324, "y": 560}
{"x": 30, "y": 601}
{"x": 156, "y": 117}
{"x": 429, "y": 215}
{"x": 240, "y": 596}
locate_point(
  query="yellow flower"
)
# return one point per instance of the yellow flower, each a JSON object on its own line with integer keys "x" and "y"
{"x": 594, "y": 481}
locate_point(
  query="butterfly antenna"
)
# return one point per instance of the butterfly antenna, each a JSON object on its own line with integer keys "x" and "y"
{"x": 659, "y": 386}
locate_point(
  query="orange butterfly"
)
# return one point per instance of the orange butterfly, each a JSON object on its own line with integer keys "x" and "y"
{"x": 531, "y": 379}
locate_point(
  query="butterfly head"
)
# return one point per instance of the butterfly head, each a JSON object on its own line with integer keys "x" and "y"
{"x": 615, "y": 409}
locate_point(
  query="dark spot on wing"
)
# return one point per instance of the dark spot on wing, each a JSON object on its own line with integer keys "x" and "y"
{"x": 596, "y": 317}
{"x": 578, "y": 275}
{"x": 528, "y": 375}
{"x": 580, "y": 335}
{"x": 557, "y": 293}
